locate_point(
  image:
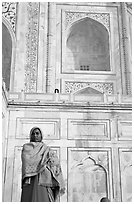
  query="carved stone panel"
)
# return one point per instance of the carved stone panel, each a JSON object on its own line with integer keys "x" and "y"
{"x": 88, "y": 97}
{"x": 32, "y": 47}
{"x": 126, "y": 174}
{"x": 49, "y": 127}
{"x": 124, "y": 130}
{"x": 88, "y": 175}
{"x": 89, "y": 129}
{"x": 73, "y": 87}
{"x": 71, "y": 17}
{"x": 9, "y": 11}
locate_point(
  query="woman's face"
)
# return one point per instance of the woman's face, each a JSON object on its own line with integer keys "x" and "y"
{"x": 36, "y": 135}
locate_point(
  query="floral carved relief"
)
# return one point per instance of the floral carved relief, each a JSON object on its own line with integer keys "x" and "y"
{"x": 31, "y": 47}
{"x": 103, "y": 18}
{"x": 72, "y": 87}
{"x": 9, "y": 10}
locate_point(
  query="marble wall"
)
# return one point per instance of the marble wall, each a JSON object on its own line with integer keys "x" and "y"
{"x": 93, "y": 149}
{"x": 88, "y": 123}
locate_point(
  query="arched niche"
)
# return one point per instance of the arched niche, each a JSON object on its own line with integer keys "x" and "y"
{"x": 87, "y": 46}
{"x": 6, "y": 56}
{"x": 87, "y": 182}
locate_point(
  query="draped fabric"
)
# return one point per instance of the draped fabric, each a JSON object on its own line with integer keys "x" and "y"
{"x": 39, "y": 161}
{"x": 33, "y": 192}
{"x": 32, "y": 154}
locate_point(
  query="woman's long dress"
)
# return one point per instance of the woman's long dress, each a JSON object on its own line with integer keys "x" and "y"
{"x": 35, "y": 193}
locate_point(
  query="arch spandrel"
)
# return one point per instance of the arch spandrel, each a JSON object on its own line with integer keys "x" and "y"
{"x": 73, "y": 17}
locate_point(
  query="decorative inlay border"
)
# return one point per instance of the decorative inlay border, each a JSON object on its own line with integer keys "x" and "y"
{"x": 126, "y": 52}
{"x": 71, "y": 87}
{"x": 32, "y": 47}
{"x": 9, "y": 10}
{"x": 103, "y": 18}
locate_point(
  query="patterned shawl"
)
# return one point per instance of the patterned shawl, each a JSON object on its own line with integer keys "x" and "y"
{"x": 37, "y": 158}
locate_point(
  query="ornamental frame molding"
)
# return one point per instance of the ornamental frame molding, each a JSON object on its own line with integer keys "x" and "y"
{"x": 70, "y": 17}
{"x": 125, "y": 50}
{"x": 32, "y": 47}
{"x": 102, "y": 87}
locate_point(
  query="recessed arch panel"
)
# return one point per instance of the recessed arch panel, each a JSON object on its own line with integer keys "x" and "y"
{"x": 87, "y": 46}
{"x": 6, "y": 55}
{"x": 88, "y": 181}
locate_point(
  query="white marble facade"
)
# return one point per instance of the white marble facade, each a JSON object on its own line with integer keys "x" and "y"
{"x": 89, "y": 122}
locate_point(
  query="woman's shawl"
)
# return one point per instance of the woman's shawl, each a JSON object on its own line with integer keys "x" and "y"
{"x": 37, "y": 158}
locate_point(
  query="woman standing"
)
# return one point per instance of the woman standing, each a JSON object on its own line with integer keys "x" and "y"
{"x": 42, "y": 179}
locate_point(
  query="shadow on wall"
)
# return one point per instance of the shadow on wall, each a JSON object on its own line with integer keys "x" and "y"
{"x": 6, "y": 55}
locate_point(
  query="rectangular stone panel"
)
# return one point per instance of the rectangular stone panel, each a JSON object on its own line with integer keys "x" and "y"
{"x": 40, "y": 97}
{"x": 124, "y": 130}
{"x": 125, "y": 156}
{"x": 88, "y": 129}
{"x": 49, "y": 127}
{"x": 64, "y": 97}
{"x": 89, "y": 98}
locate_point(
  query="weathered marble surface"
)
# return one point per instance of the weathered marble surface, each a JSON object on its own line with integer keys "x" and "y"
{"x": 91, "y": 160}
{"x": 89, "y": 122}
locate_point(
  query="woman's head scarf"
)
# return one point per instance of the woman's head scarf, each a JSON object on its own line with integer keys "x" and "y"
{"x": 31, "y": 133}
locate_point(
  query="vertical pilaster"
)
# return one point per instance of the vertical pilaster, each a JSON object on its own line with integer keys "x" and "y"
{"x": 126, "y": 49}
{"x": 20, "y": 57}
{"x": 42, "y": 48}
{"x": 32, "y": 37}
{"x": 51, "y": 48}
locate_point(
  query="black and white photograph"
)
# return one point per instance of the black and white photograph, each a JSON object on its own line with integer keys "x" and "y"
{"x": 66, "y": 101}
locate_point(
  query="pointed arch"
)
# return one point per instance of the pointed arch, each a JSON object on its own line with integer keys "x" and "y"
{"x": 82, "y": 19}
{"x": 87, "y": 46}
{"x": 88, "y": 181}
{"x": 8, "y": 53}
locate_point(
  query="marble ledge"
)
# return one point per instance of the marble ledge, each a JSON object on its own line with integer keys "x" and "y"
{"x": 71, "y": 106}
{"x": 57, "y": 97}
{"x": 67, "y": 100}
